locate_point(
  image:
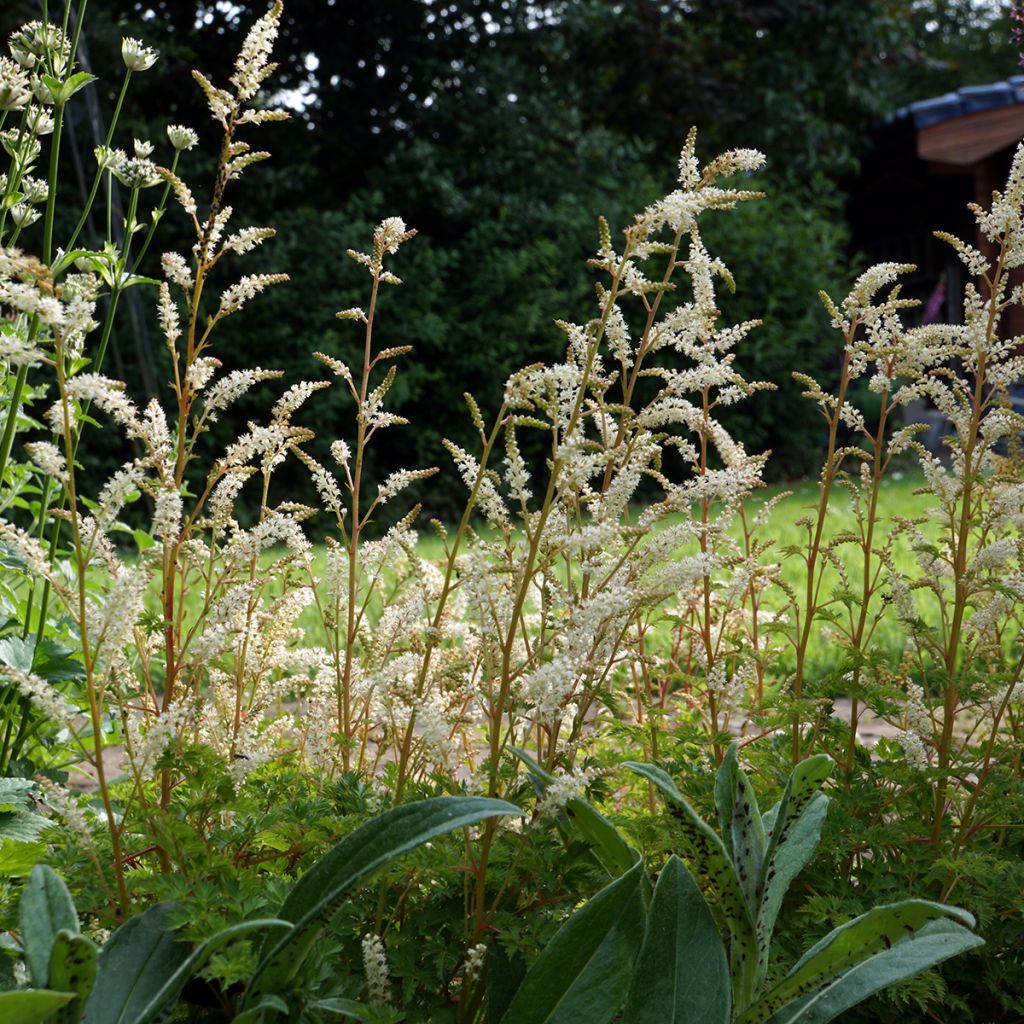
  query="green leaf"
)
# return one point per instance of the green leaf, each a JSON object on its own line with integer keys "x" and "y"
{"x": 340, "y": 1008}
{"x": 682, "y": 973}
{"x": 63, "y": 91}
{"x": 254, "y": 1014}
{"x": 18, "y": 652}
{"x": 804, "y": 782}
{"x": 742, "y": 830}
{"x": 72, "y": 969}
{"x": 14, "y": 793}
{"x": 935, "y": 942}
{"x": 134, "y": 967}
{"x": 843, "y": 948}
{"x": 788, "y": 860}
{"x": 316, "y": 896}
{"x": 22, "y": 826}
{"x": 17, "y": 859}
{"x": 614, "y": 854}
{"x": 583, "y": 974}
{"x": 31, "y": 1006}
{"x": 167, "y": 996}
{"x": 46, "y": 908}
{"x": 65, "y": 259}
{"x": 709, "y": 856}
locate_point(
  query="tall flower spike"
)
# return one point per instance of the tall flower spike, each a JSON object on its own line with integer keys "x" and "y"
{"x": 253, "y": 64}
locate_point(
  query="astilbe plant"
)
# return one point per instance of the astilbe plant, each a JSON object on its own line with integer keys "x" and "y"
{"x": 622, "y": 576}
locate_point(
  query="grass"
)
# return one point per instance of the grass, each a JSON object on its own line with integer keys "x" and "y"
{"x": 897, "y": 499}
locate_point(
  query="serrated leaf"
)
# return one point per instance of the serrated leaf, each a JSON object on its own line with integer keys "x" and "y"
{"x": 46, "y": 908}
{"x": 583, "y": 973}
{"x": 682, "y": 973}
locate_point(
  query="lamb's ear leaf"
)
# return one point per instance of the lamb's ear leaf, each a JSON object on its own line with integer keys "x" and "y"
{"x": 804, "y": 782}
{"x": 31, "y": 1006}
{"x": 788, "y": 861}
{"x": 584, "y": 971}
{"x": 709, "y": 855}
{"x": 935, "y": 942}
{"x": 742, "y": 830}
{"x": 134, "y": 964}
{"x": 46, "y": 907}
{"x": 846, "y": 947}
{"x": 317, "y": 895}
{"x": 682, "y": 972}
{"x": 72, "y": 969}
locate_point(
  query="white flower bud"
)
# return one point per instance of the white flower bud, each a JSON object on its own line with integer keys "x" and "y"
{"x": 136, "y": 56}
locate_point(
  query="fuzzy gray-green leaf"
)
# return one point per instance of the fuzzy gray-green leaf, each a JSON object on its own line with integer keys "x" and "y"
{"x": 682, "y": 973}
{"x": 72, "y": 969}
{"x": 46, "y": 907}
{"x": 134, "y": 965}
{"x": 845, "y": 947}
{"x": 708, "y": 853}
{"x": 789, "y": 859}
{"x": 933, "y": 943}
{"x": 584, "y": 972}
{"x": 615, "y": 855}
{"x": 317, "y": 895}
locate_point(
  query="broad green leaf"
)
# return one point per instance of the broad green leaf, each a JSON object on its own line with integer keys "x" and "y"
{"x": 255, "y": 1013}
{"x": 804, "y": 782}
{"x": 316, "y": 896}
{"x": 18, "y": 859}
{"x": 46, "y": 907}
{"x": 14, "y": 794}
{"x": 789, "y": 859}
{"x": 31, "y": 1006}
{"x": 583, "y": 973}
{"x": 682, "y": 973}
{"x": 935, "y": 942}
{"x": 347, "y": 1008}
{"x": 72, "y": 969}
{"x": 615, "y": 855}
{"x": 850, "y": 944}
{"x": 505, "y": 974}
{"x": 709, "y": 856}
{"x": 135, "y": 965}
{"x": 742, "y": 830}
{"x": 167, "y": 996}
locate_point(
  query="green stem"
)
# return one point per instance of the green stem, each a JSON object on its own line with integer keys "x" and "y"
{"x": 51, "y": 198}
{"x": 87, "y": 209}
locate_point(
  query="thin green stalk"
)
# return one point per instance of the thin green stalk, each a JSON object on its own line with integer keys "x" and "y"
{"x": 87, "y": 208}
{"x": 51, "y": 198}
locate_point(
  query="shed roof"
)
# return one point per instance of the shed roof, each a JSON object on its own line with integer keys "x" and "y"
{"x": 960, "y": 128}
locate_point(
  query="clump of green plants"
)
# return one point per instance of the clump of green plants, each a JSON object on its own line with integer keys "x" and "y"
{"x": 236, "y": 700}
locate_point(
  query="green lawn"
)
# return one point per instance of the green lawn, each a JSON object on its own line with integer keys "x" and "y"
{"x": 898, "y": 499}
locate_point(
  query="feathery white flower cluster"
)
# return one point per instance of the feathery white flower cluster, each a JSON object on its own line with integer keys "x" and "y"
{"x": 375, "y": 967}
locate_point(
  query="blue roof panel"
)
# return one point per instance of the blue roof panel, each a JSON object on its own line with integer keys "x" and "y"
{"x": 969, "y": 100}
